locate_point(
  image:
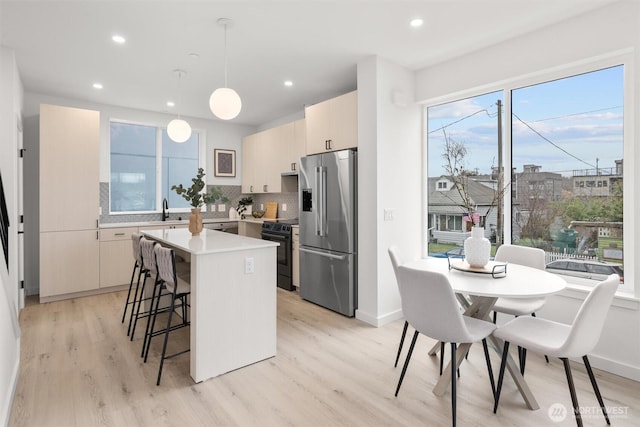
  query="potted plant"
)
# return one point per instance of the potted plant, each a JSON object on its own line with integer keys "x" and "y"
{"x": 197, "y": 199}
{"x": 242, "y": 205}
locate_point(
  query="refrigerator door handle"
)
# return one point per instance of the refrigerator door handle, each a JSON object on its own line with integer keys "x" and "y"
{"x": 321, "y": 180}
{"x": 324, "y": 254}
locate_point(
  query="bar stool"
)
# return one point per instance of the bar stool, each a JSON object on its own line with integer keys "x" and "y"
{"x": 137, "y": 266}
{"x": 149, "y": 266}
{"x": 178, "y": 288}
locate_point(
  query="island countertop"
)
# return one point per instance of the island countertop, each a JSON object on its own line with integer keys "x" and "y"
{"x": 208, "y": 242}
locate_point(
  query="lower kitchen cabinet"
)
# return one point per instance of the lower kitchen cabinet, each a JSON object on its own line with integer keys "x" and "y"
{"x": 69, "y": 262}
{"x": 116, "y": 256}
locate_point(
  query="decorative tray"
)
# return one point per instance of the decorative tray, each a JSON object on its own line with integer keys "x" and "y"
{"x": 495, "y": 269}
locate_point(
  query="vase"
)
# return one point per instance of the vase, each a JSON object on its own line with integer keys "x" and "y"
{"x": 195, "y": 222}
{"x": 477, "y": 248}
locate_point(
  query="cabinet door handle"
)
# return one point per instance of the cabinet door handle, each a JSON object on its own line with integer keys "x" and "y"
{"x": 251, "y": 188}
{"x": 118, "y": 234}
{"x": 293, "y": 166}
{"x": 97, "y": 235}
{"x": 264, "y": 188}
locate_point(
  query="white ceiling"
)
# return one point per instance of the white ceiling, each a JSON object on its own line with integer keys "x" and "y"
{"x": 63, "y": 47}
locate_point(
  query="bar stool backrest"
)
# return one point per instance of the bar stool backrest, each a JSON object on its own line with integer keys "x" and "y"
{"x": 166, "y": 262}
{"x": 135, "y": 242}
{"x": 148, "y": 257}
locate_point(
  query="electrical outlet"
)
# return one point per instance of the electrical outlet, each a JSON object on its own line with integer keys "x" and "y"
{"x": 221, "y": 208}
{"x": 249, "y": 265}
{"x": 213, "y": 208}
{"x": 284, "y": 207}
{"x": 261, "y": 207}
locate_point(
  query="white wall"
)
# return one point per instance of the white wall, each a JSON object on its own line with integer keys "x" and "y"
{"x": 10, "y": 109}
{"x": 590, "y": 36}
{"x": 217, "y": 134}
{"x": 389, "y": 177}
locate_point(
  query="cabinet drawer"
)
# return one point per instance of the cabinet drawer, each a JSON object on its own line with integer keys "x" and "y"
{"x": 112, "y": 234}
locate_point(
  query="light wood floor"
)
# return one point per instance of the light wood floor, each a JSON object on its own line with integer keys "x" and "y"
{"x": 78, "y": 368}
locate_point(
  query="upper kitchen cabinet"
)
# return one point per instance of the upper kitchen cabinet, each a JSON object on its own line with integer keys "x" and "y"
{"x": 69, "y": 200}
{"x": 69, "y": 167}
{"x": 260, "y": 162}
{"x": 333, "y": 124}
{"x": 294, "y": 145}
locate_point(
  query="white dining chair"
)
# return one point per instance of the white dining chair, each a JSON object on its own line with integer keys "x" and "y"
{"x": 529, "y": 257}
{"x": 563, "y": 341}
{"x": 430, "y": 306}
{"x": 394, "y": 254}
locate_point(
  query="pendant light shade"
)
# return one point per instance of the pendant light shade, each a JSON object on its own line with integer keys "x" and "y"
{"x": 179, "y": 130}
{"x": 225, "y": 103}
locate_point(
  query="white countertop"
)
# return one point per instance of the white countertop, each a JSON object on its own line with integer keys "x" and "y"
{"x": 158, "y": 223}
{"x": 209, "y": 241}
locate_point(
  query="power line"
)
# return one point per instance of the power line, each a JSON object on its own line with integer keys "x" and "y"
{"x": 549, "y": 141}
{"x": 463, "y": 118}
{"x": 576, "y": 114}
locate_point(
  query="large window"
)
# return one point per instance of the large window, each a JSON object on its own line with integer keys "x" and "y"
{"x": 563, "y": 142}
{"x": 145, "y": 163}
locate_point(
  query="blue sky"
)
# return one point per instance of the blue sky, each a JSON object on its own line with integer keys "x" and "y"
{"x": 568, "y": 124}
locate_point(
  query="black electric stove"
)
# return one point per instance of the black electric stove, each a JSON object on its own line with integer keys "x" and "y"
{"x": 280, "y": 231}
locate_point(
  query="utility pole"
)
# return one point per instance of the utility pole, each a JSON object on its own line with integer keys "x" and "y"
{"x": 500, "y": 190}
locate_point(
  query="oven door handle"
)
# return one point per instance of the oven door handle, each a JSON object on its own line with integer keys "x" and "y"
{"x": 324, "y": 254}
{"x": 275, "y": 236}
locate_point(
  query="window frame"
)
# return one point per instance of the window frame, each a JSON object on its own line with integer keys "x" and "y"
{"x": 158, "y": 164}
{"x": 626, "y": 59}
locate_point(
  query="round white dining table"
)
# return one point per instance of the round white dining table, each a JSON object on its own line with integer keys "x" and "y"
{"x": 477, "y": 290}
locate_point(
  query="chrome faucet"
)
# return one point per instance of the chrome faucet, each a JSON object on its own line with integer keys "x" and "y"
{"x": 165, "y": 209}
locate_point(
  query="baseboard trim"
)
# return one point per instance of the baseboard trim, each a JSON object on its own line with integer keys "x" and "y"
{"x": 613, "y": 367}
{"x": 83, "y": 293}
{"x": 378, "y": 321}
{"x": 6, "y": 410}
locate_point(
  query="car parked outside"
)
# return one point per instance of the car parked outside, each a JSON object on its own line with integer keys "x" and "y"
{"x": 588, "y": 269}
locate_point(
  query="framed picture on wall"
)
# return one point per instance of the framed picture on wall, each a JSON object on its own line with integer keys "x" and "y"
{"x": 224, "y": 162}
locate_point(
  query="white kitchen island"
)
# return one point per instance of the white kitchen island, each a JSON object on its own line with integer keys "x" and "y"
{"x": 233, "y": 298}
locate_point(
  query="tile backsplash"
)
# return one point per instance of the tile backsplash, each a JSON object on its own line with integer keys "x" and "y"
{"x": 232, "y": 192}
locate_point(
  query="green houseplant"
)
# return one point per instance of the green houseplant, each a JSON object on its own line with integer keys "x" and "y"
{"x": 197, "y": 199}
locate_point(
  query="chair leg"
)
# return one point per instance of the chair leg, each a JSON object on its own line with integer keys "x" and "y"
{"x": 441, "y": 355}
{"x": 153, "y": 325}
{"x": 166, "y": 337}
{"x": 126, "y": 304}
{"x": 453, "y": 383}
{"x": 146, "y": 339}
{"x": 546, "y": 358}
{"x": 572, "y": 391}
{"x": 404, "y": 332}
{"x": 489, "y": 368}
{"x": 596, "y": 389}
{"x": 503, "y": 364}
{"x": 523, "y": 360}
{"x": 406, "y": 362}
{"x": 141, "y": 272}
{"x": 495, "y": 317}
{"x": 135, "y": 322}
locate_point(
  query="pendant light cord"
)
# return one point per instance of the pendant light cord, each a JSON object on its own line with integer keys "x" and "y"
{"x": 225, "y": 55}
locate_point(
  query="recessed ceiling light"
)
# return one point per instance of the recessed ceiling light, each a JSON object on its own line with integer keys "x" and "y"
{"x": 118, "y": 39}
{"x": 416, "y": 22}
{"x": 288, "y": 83}
{"x": 97, "y": 85}
{"x": 171, "y": 104}
{"x": 194, "y": 56}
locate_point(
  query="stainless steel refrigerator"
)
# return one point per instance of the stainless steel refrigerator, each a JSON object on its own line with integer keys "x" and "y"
{"x": 328, "y": 231}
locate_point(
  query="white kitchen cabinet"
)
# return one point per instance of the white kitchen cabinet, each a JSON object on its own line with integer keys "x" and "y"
{"x": 69, "y": 200}
{"x": 293, "y": 145}
{"x": 261, "y": 162}
{"x": 295, "y": 238}
{"x": 69, "y": 262}
{"x": 116, "y": 256}
{"x": 333, "y": 124}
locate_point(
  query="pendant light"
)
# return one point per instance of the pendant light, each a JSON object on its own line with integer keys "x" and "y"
{"x": 225, "y": 102}
{"x": 178, "y": 129}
